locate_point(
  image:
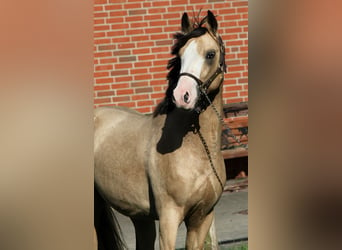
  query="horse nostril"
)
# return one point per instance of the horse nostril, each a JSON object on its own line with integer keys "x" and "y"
{"x": 186, "y": 97}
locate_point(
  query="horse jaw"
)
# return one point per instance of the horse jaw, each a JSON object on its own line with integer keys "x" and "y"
{"x": 185, "y": 95}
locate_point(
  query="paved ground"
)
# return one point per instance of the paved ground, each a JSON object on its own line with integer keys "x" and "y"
{"x": 231, "y": 217}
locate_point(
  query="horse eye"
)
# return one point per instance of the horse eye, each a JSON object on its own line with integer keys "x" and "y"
{"x": 210, "y": 55}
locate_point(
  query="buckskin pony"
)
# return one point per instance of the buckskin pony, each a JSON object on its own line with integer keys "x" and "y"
{"x": 166, "y": 166}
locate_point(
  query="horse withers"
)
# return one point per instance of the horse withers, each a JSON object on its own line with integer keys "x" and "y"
{"x": 166, "y": 166}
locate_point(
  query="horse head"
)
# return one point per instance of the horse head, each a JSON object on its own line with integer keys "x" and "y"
{"x": 197, "y": 68}
{"x": 200, "y": 52}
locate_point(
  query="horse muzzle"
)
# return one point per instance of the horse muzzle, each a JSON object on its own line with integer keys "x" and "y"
{"x": 185, "y": 95}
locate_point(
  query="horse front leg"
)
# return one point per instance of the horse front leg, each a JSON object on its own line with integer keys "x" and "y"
{"x": 197, "y": 230}
{"x": 169, "y": 221}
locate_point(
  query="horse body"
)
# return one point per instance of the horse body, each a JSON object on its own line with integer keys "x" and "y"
{"x": 152, "y": 167}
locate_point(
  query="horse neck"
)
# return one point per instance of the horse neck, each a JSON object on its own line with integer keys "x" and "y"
{"x": 210, "y": 123}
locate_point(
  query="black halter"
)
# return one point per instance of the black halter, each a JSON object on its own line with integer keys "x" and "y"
{"x": 203, "y": 87}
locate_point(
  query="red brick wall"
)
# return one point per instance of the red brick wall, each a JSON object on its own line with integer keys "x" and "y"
{"x": 133, "y": 40}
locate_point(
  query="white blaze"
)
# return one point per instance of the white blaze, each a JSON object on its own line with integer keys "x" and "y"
{"x": 191, "y": 62}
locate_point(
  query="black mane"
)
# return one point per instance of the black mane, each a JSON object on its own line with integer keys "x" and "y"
{"x": 174, "y": 65}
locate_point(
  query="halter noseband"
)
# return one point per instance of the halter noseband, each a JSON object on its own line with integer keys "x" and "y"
{"x": 203, "y": 85}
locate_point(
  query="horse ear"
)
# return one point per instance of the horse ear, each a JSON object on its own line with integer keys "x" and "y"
{"x": 211, "y": 20}
{"x": 186, "y": 27}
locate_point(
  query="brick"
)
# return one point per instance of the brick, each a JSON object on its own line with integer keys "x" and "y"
{"x": 126, "y": 45}
{"x": 240, "y": 3}
{"x": 225, "y": 11}
{"x": 124, "y": 91}
{"x": 157, "y": 95}
{"x": 153, "y": 30}
{"x": 232, "y": 88}
{"x": 139, "y": 38}
{"x": 158, "y": 23}
{"x": 119, "y": 85}
{"x": 143, "y": 64}
{"x": 172, "y": 15}
{"x": 243, "y": 23}
{"x": 152, "y": 17}
{"x": 101, "y": 100}
{"x": 236, "y": 68}
{"x": 159, "y": 75}
{"x": 243, "y": 93}
{"x": 105, "y": 93}
{"x": 119, "y": 26}
{"x": 139, "y": 84}
{"x": 121, "y": 40}
{"x": 128, "y": 59}
{"x": 100, "y": 74}
{"x": 164, "y": 42}
{"x": 101, "y": 87}
{"x": 145, "y": 44}
{"x": 140, "y": 97}
{"x": 98, "y": 8}
{"x": 115, "y": 20}
{"x": 102, "y": 54}
{"x": 116, "y": 33}
{"x": 161, "y": 49}
{"x": 121, "y": 98}
{"x": 122, "y": 53}
{"x": 108, "y": 60}
{"x": 124, "y": 66}
{"x": 132, "y": 6}
{"x": 143, "y": 90}
{"x": 135, "y": 32}
{"x": 100, "y": 14}
{"x": 145, "y": 103}
{"x": 233, "y": 30}
{"x": 160, "y": 3}
{"x": 123, "y": 79}
{"x": 144, "y": 110}
{"x": 159, "y": 37}
{"x": 138, "y": 25}
{"x": 155, "y": 82}
{"x": 230, "y": 94}
{"x": 101, "y": 27}
{"x": 160, "y": 62}
{"x": 138, "y": 71}
{"x": 141, "y": 51}
{"x": 104, "y": 80}
{"x": 242, "y": 80}
{"x": 157, "y": 69}
{"x": 141, "y": 77}
{"x": 116, "y": 13}
{"x": 113, "y": 7}
{"x": 242, "y": 55}
{"x": 137, "y": 12}
{"x": 102, "y": 41}
{"x": 99, "y": 21}
{"x": 128, "y": 104}
{"x": 107, "y": 47}
{"x": 147, "y": 4}
{"x": 146, "y": 57}
{"x": 103, "y": 67}
{"x": 119, "y": 72}
{"x": 180, "y": 2}
{"x": 133, "y": 18}
{"x": 157, "y": 10}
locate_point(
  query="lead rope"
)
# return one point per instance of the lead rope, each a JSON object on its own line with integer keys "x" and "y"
{"x": 209, "y": 157}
